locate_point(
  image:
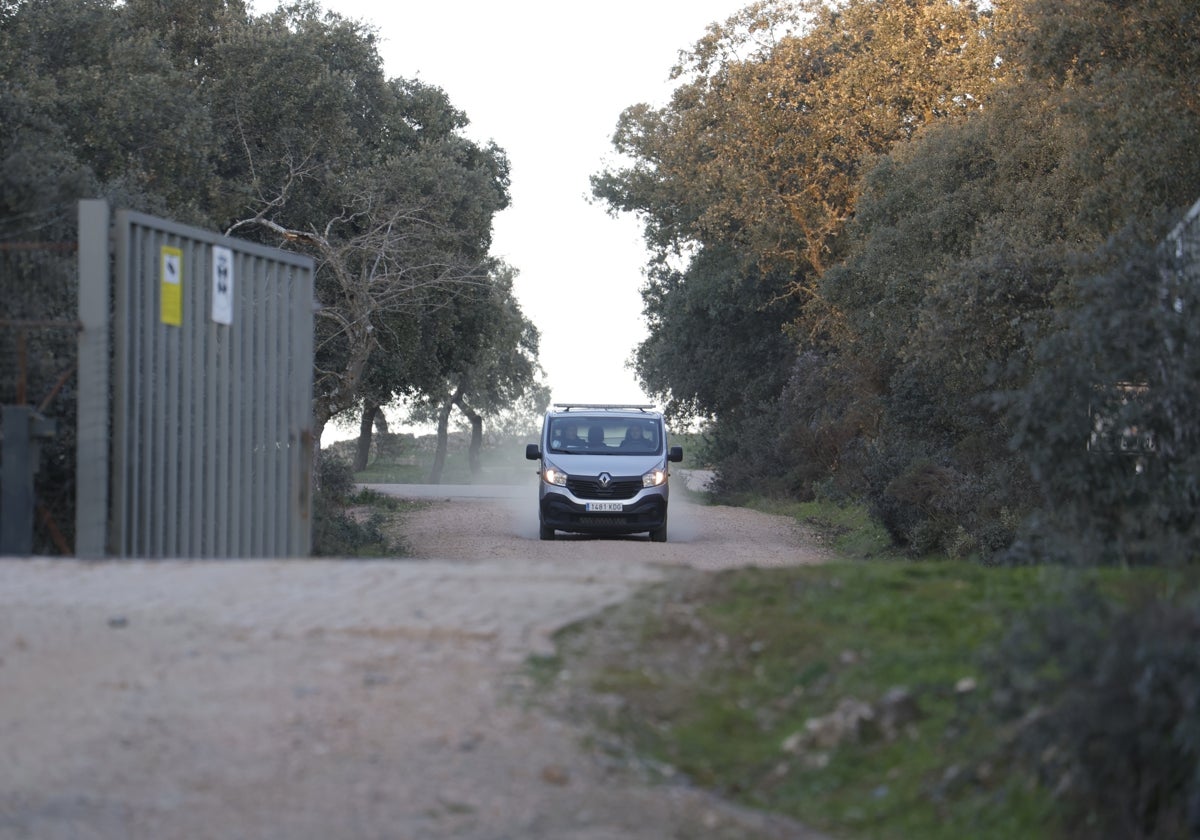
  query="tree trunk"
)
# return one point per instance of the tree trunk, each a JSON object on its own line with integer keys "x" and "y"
{"x": 476, "y": 445}
{"x": 476, "y": 437}
{"x": 318, "y": 430}
{"x": 336, "y": 392}
{"x": 439, "y": 456}
{"x": 363, "y": 453}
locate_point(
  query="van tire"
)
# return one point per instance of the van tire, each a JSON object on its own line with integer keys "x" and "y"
{"x": 545, "y": 533}
{"x": 659, "y": 534}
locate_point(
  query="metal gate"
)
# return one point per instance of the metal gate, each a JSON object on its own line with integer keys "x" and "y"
{"x": 209, "y": 452}
{"x": 1183, "y": 245}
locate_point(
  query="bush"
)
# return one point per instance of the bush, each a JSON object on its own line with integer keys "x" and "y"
{"x": 747, "y": 454}
{"x": 336, "y": 532}
{"x": 1108, "y": 423}
{"x": 790, "y": 446}
{"x": 335, "y": 479}
{"x": 1104, "y": 705}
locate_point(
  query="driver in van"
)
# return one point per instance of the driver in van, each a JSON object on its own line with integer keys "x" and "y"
{"x": 635, "y": 438}
{"x": 570, "y": 436}
{"x": 596, "y": 438}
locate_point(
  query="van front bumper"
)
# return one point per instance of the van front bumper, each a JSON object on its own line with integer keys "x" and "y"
{"x": 562, "y": 514}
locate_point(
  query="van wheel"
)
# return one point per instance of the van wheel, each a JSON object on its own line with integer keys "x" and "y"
{"x": 659, "y": 534}
{"x": 545, "y": 533}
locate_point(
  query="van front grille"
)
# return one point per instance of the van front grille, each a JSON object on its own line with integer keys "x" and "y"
{"x": 618, "y": 488}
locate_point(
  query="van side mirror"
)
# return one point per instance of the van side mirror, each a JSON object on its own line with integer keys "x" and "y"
{"x": 676, "y": 454}
{"x": 533, "y": 452}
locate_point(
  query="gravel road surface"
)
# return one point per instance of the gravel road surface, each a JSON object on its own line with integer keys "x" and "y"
{"x": 342, "y": 699}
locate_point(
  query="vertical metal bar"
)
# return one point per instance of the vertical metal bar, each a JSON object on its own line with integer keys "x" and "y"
{"x": 261, "y": 431}
{"x": 144, "y": 376}
{"x": 169, "y": 399}
{"x": 135, "y": 405}
{"x": 151, "y": 401}
{"x": 222, "y": 432}
{"x": 16, "y": 481}
{"x": 194, "y": 314}
{"x": 199, "y": 514}
{"x": 273, "y": 395}
{"x": 296, "y": 436}
{"x": 151, "y": 378}
{"x": 92, "y": 411}
{"x": 285, "y": 504}
{"x": 301, "y": 393}
{"x": 124, "y": 306}
{"x": 178, "y": 461}
{"x": 206, "y": 440}
{"x": 294, "y": 421}
{"x": 265, "y": 398}
{"x": 236, "y": 444}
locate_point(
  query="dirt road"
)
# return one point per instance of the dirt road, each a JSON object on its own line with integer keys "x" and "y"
{"x": 340, "y": 699}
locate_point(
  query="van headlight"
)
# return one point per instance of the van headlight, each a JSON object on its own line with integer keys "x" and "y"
{"x": 654, "y": 478}
{"x": 555, "y": 476}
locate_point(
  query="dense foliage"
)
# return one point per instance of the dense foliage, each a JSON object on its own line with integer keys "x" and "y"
{"x": 891, "y": 242}
{"x": 1103, "y": 705}
{"x": 281, "y": 128}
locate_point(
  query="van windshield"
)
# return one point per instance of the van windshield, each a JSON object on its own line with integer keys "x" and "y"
{"x": 606, "y": 435}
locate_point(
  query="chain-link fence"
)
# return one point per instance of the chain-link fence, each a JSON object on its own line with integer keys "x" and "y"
{"x": 38, "y": 359}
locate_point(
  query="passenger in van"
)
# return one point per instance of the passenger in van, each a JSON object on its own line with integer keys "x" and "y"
{"x": 596, "y": 438}
{"x": 635, "y": 438}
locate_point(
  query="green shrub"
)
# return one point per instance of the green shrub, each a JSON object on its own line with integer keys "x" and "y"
{"x": 1107, "y": 425}
{"x": 1103, "y": 705}
{"x": 335, "y": 479}
{"x": 338, "y": 534}
{"x": 336, "y": 531}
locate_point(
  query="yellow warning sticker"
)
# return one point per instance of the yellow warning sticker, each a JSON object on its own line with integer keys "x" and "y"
{"x": 171, "y": 286}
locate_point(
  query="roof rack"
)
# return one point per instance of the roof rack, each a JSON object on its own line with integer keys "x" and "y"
{"x": 604, "y": 406}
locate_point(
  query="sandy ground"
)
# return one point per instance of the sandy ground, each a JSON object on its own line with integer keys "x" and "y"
{"x": 341, "y": 699}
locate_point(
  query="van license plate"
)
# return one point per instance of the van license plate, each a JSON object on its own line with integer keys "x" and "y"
{"x": 605, "y": 507}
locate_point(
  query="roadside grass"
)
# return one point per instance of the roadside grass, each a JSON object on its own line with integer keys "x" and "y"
{"x": 708, "y": 678}
{"x": 725, "y": 672}
{"x": 848, "y": 530}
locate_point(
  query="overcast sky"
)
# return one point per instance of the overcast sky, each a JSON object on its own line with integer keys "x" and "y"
{"x": 547, "y": 81}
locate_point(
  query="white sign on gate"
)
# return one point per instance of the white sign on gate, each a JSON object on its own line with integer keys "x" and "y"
{"x": 222, "y": 295}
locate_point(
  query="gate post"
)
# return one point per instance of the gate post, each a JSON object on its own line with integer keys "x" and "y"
{"x": 92, "y": 439}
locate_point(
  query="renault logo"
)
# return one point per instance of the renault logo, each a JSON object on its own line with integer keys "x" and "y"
{"x": 605, "y": 479}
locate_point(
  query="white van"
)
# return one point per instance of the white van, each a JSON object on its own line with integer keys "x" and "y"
{"x": 603, "y": 470}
